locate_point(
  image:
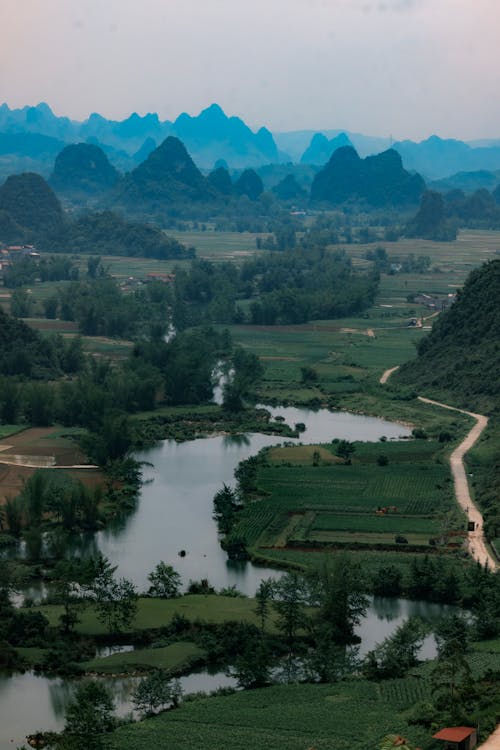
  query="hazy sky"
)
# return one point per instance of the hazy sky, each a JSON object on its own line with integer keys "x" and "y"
{"x": 408, "y": 68}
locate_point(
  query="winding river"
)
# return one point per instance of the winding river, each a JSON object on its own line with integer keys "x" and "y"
{"x": 175, "y": 513}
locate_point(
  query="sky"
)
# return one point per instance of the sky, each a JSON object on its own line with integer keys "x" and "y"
{"x": 406, "y": 68}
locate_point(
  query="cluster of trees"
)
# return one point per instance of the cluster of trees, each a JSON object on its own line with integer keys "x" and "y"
{"x": 440, "y": 215}
{"x": 25, "y": 352}
{"x": 292, "y": 287}
{"x": 26, "y": 270}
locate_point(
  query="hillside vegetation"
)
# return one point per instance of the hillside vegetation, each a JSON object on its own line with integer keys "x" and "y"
{"x": 461, "y": 355}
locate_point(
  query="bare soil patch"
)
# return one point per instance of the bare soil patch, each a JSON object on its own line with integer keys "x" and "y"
{"x": 43, "y": 446}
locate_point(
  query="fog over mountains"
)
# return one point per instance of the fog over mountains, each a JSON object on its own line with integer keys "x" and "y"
{"x": 32, "y": 137}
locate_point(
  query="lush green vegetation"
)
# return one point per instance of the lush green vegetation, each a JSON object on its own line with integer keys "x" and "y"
{"x": 176, "y": 657}
{"x": 287, "y": 717}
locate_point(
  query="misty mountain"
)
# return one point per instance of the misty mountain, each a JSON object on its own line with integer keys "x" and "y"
{"x": 437, "y": 158}
{"x": 320, "y": 149}
{"x": 469, "y": 182}
{"x": 210, "y": 136}
{"x": 83, "y": 168}
{"x": 295, "y": 142}
{"x": 168, "y": 175}
{"x": 31, "y": 203}
{"x": 377, "y": 180}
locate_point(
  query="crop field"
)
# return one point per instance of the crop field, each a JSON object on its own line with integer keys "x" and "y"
{"x": 348, "y": 716}
{"x": 306, "y": 501}
{"x": 220, "y": 246}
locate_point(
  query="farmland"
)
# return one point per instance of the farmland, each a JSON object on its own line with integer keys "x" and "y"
{"x": 286, "y": 717}
{"x": 314, "y": 500}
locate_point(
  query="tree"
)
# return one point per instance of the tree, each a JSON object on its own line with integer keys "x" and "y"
{"x": 155, "y": 692}
{"x": 227, "y": 503}
{"x": 89, "y": 717}
{"x": 398, "y": 653}
{"x": 289, "y": 602}
{"x": 252, "y": 667}
{"x": 387, "y": 581}
{"x": 115, "y": 600}
{"x": 263, "y": 597}
{"x": 337, "y": 592}
{"x": 165, "y": 582}
{"x": 344, "y": 449}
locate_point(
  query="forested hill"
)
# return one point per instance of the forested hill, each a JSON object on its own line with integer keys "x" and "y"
{"x": 24, "y": 352}
{"x": 461, "y": 355}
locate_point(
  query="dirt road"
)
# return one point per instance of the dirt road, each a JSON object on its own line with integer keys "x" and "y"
{"x": 477, "y": 544}
{"x": 387, "y": 374}
{"x": 476, "y": 541}
{"x": 493, "y": 741}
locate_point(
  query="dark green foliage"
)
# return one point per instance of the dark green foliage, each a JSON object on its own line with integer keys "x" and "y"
{"x": 155, "y": 692}
{"x": 387, "y": 581}
{"x": 430, "y": 222}
{"x": 461, "y": 354}
{"x": 83, "y": 167}
{"x": 165, "y": 581}
{"x": 89, "y": 717}
{"x": 398, "y": 653}
{"x": 115, "y": 600}
{"x": 377, "y": 180}
{"x": 337, "y": 591}
{"x": 220, "y": 180}
{"x": 289, "y": 189}
{"x": 168, "y": 175}
{"x": 227, "y": 503}
{"x": 24, "y": 352}
{"x": 109, "y": 233}
{"x": 31, "y": 203}
{"x": 249, "y": 184}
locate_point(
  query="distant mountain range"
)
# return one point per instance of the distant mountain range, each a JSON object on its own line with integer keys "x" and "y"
{"x": 32, "y": 137}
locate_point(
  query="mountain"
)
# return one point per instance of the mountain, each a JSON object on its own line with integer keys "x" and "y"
{"x": 209, "y": 136}
{"x": 320, "y": 149}
{"x": 31, "y": 202}
{"x": 295, "y": 142}
{"x": 376, "y": 180}
{"x": 289, "y": 189}
{"x": 168, "y": 175}
{"x": 83, "y": 168}
{"x": 468, "y": 181}
{"x": 212, "y": 136}
{"x": 461, "y": 356}
{"x": 437, "y": 158}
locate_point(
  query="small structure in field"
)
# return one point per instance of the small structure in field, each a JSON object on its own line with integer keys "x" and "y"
{"x": 457, "y": 738}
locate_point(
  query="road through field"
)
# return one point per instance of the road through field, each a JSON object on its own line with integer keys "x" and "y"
{"x": 477, "y": 544}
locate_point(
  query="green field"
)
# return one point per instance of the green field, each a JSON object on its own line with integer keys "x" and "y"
{"x": 175, "y": 657}
{"x": 331, "y": 503}
{"x": 352, "y": 715}
{"x": 155, "y": 613}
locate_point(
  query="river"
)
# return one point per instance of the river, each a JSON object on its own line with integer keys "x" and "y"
{"x": 175, "y": 508}
{"x": 174, "y": 513}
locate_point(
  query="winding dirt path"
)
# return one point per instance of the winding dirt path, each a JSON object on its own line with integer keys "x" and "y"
{"x": 476, "y": 541}
{"x": 477, "y": 544}
{"x": 387, "y": 374}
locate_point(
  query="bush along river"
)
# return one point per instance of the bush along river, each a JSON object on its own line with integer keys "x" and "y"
{"x": 173, "y": 522}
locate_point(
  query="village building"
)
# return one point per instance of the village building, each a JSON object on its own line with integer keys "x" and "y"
{"x": 457, "y": 738}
